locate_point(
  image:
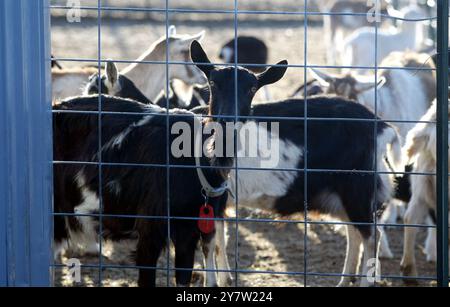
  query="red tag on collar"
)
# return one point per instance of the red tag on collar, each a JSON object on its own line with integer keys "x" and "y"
{"x": 206, "y": 226}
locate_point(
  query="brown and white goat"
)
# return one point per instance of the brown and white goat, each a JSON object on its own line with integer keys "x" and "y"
{"x": 149, "y": 78}
{"x": 420, "y": 148}
{"x": 69, "y": 82}
{"x": 402, "y": 95}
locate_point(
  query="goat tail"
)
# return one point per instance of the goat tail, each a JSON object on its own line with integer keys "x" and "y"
{"x": 415, "y": 142}
{"x": 396, "y": 147}
{"x": 392, "y": 139}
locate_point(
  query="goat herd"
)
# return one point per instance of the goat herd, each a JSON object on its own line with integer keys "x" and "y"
{"x": 120, "y": 180}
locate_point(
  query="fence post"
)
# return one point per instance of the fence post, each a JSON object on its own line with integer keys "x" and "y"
{"x": 26, "y": 143}
{"x": 442, "y": 144}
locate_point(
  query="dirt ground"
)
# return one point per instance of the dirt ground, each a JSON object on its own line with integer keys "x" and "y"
{"x": 272, "y": 247}
{"x": 263, "y": 248}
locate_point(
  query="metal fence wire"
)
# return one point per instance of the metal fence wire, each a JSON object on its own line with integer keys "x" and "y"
{"x": 308, "y": 12}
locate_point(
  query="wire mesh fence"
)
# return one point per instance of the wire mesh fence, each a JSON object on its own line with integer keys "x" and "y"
{"x": 263, "y": 248}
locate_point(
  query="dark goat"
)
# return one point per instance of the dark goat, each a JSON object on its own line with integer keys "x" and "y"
{"x": 138, "y": 138}
{"x": 115, "y": 84}
{"x": 332, "y": 145}
{"x": 199, "y": 96}
{"x": 251, "y": 50}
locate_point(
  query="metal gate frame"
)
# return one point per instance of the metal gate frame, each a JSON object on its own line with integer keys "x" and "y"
{"x": 442, "y": 144}
{"x": 26, "y": 150}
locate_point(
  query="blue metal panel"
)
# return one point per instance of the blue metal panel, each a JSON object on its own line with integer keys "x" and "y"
{"x": 26, "y": 151}
{"x": 3, "y": 168}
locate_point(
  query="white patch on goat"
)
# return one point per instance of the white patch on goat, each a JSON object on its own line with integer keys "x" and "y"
{"x": 383, "y": 139}
{"x": 87, "y": 237}
{"x": 259, "y": 188}
{"x": 113, "y": 89}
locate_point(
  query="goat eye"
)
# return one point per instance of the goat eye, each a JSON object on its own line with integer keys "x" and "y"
{"x": 254, "y": 89}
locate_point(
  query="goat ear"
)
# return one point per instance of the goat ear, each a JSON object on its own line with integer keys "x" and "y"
{"x": 199, "y": 36}
{"x": 112, "y": 74}
{"x": 273, "y": 74}
{"x": 172, "y": 31}
{"x": 199, "y": 57}
{"x": 323, "y": 78}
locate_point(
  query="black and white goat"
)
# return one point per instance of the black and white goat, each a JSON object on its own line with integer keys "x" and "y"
{"x": 331, "y": 144}
{"x": 127, "y": 190}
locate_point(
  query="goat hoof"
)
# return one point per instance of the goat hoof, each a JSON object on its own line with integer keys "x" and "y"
{"x": 410, "y": 282}
{"x": 345, "y": 282}
{"x": 431, "y": 258}
{"x": 229, "y": 281}
{"x": 386, "y": 254}
{"x": 430, "y": 254}
{"x": 225, "y": 279}
{"x": 408, "y": 271}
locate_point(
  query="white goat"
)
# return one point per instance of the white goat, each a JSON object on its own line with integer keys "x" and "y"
{"x": 421, "y": 149}
{"x": 403, "y": 95}
{"x": 337, "y": 27}
{"x": 359, "y": 47}
{"x": 149, "y": 78}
